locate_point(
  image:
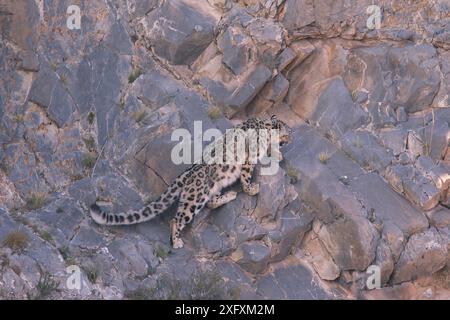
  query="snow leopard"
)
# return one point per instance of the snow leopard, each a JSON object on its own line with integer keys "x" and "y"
{"x": 202, "y": 184}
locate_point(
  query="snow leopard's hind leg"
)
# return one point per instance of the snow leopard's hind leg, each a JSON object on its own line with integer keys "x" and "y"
{"x": 189, "y": 205}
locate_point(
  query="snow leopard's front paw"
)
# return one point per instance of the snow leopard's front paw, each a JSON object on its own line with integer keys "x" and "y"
{"x": 252, "y": 189}
{"x": 177, "y": 243}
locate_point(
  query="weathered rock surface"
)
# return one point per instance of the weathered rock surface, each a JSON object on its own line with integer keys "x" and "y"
{"x": 88, "y": 115}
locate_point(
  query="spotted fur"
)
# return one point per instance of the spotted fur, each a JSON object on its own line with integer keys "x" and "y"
{"x": 200, "y": 185}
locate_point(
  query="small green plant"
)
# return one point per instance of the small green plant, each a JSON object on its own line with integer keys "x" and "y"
{"x": 140, "y": 115}
{"x": 292, "y": 174}
{"x": 16, "y": 240}
{"x": 76, "y": 177}
{"x": 66, "y": 255}
{"x": 269, "y": 61}
{"x": 91, "y": 117}
{"x": 59, "y": 210}
{"x": 89, "y": 160}
{"x": 5, "y": 168}
{"x": 91, "y": 273}
{"x": 63, "y": 78}
{"x": 45, "y": 287}
{"x": 136, "y": 73}
{"x": 64, "y": 251}
{"x": 161, "y": 251}
{"x": 35, "y": 201}
{"x": 54, "y": 66}
{"x": 122, "y": 103}
{"x": 428, "y": 141}
{"x": 18, "y": 118}
{"x": 45, "y": 235}
{"x": 324, "y": 157}
{"x": 214, "y": 112}
{"x": 90, "y": 143}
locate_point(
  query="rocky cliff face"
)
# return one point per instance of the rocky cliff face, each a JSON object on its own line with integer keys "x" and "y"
{"x": 87, "y": 114}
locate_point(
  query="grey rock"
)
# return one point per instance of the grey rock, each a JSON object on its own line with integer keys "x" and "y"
{"x": 415, "y": 143}
{"x": 61, "y": 106}
{"x": 387, "y": 205}
{"x": 285, "y": 58}
{"x": 82, "y": 191}
{"x": 417, "y": 183}
{"x": 129, "y": 260}
{"x": 139, "y": 8}
{"x": 425, "y": 253}
{"x": 272, "y": 94}
{"x": 29, "y": 61}
{"x": 333, "y": 201}
{"x": 385, "y": 261}
{"x": 336, "y": 112}
{"x": 279, "y": 89}
{"x": 351, "y": 243}
{"x": 394, "y": 238}
{"x": 402, "y": 116}
{"x": 321, "y": 260}
{"x": 294, "y": 222}
{"x": 42, "y": 88}
{"x": 293, "y": 282}
{"x": 421, "y": 63}
{"x": 364, "y": 148}
{"x": 274, "y": 195}
{"x": 440, "y": 218}
{"x": 361, "y": 96}
{"x": 244, "y": 94}
{"x": 118, "y": 39}
{"x": 179, "y": 31}
{"x": 383, "y": 114}
{"x": 235, "y": 223}
{"x": 436, "y": 138}
{"x": 422, "y": 191}
{"x": 298, "y": 14}
{"x": 210, "y": 240}
{"x": 237, "y": 49}
{"x": 22, "y": 25}
{"x": 395, "y": 139}
{"x": 252, "y": 256}
{"x": 412, "y": 83}
{"x": 88, "y": 238}
{"x": 61, "y": 220}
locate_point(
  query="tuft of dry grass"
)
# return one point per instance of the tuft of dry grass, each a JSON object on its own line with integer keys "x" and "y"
{"x": 16, "y": 240}
{"x": 89, "y": 160}
{"x": 136, "y": 73}
{"x": 140, "y": 115}
{"x": 90, "y": 143}
{"x": 214, "y": 112}
{"x": 35, "y": 201}
{"x": 91, "y": 117}
{"x": 324, "y": 157}
{"x": 292, "y": 174}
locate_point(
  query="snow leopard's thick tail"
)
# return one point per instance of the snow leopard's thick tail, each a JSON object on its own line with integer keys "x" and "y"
{"x": 146, "y": 213}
